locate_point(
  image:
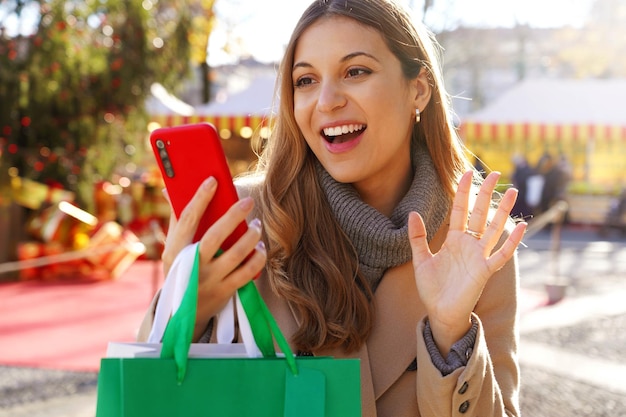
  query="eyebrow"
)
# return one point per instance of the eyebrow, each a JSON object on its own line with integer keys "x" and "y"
{"x": 344, "y": 59}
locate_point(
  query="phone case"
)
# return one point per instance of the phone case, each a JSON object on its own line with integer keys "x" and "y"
{"x": 187, "y": 155}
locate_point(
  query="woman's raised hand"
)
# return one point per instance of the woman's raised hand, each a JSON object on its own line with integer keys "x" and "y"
{"x": 219, "y": 276}
{"x": 450, "y": 281}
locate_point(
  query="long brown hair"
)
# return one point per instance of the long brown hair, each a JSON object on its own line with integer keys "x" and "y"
{"x": 311, "y": 261}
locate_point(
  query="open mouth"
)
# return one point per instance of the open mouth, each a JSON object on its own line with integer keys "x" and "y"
{"x": 341, "y": 134}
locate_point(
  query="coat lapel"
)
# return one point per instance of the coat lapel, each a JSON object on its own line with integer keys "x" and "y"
{"x": 392, "y": 346}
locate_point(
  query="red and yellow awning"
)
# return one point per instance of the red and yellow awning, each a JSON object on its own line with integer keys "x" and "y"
{"x": 594, "y": 151}
{"x": 237, "y": 124}
{"x": 479, "y": 131}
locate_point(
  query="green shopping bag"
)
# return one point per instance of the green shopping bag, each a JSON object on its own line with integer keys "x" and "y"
{"x": 175, "y": 385}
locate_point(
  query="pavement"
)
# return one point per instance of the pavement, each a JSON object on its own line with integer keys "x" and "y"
{"x": 572, "y": 355}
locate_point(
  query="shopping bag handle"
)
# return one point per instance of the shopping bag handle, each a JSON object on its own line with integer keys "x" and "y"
{"x": 264, "y": 326}
{"x": 178, "y": 334}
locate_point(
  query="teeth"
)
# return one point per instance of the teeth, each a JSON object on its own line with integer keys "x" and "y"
{"x": 342, "y": 130}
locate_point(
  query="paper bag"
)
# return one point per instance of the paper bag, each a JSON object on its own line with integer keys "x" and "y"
{"x": 176, "y": 384}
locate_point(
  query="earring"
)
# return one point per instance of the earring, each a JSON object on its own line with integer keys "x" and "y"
{"x": 417, "y": 116}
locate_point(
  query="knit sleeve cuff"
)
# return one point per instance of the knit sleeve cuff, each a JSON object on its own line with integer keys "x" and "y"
{"x": 459, "y": 354}
{"x": 206, "y": 336}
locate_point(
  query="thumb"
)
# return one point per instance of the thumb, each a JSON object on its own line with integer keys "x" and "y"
{"x": 417, "y": 238}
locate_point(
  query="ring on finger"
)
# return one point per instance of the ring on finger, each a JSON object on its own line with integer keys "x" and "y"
{"x": 474, "y": 234}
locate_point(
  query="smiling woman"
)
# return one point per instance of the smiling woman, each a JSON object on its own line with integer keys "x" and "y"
{"x": 371, "y": 247}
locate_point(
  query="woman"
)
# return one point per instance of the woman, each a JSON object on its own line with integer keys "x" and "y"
{"x": 369, "y": 250}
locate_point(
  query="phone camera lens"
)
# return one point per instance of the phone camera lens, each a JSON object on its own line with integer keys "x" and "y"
{"x": 160, "y": 144}
{"x": 167, "y": 166}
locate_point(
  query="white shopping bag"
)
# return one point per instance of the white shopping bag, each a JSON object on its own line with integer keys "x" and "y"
{"x": 171, "y": 296}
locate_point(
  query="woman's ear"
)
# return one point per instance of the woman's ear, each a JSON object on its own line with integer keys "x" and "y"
{"x": 422, "y": 88}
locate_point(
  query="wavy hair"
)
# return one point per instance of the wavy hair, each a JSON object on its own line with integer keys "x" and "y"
{"x": 311, "y": 261}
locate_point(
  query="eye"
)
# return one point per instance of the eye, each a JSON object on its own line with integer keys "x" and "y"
{"x": 303, "y": 81}
{"x": 358, "y": 71}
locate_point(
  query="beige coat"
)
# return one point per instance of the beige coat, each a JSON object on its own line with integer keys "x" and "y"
{"x": 487, "y": 386}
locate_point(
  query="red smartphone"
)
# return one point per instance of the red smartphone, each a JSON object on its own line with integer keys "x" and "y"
{"x": 187, "y": 155}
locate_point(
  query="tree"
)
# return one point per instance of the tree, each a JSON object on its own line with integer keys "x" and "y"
{"x": 72, "y": 92}
{"x": 202, "y": 25}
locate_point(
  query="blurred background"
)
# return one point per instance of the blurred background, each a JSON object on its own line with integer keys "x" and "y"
{"x": 537, "y": 89}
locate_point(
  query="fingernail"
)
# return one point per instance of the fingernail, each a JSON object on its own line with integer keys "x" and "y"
{"x": 256, "y": 223}
{"x": 246, "y": 203}
{"x": 209, "y": 183}
{"x": 260, "y": 246}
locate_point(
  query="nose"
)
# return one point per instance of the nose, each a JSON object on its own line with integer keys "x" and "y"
{"x": 331, "y": 97}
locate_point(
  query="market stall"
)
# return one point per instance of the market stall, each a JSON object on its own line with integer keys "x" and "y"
{"x": 238, "y": 116}
{"x": 580, "y": 120}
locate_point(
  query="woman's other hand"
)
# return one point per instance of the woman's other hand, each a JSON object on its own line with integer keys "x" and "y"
{"x": 451, "y": 281}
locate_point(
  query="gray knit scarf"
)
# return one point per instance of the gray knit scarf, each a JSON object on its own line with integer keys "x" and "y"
{"x": 383, "y": 242}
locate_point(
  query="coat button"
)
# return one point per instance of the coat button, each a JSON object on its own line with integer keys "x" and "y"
{"x": 463, "y": 388}
{"x": 468, "y": 353}
{"x": 464, "y": 406}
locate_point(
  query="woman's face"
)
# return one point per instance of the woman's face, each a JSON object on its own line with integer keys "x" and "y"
{"x": 353, "y": 104}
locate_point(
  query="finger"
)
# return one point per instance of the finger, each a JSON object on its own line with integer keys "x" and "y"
{"x": 167, "y": 197}
{"x": 185, "y": 226}
{"x": 480, "y": 211}
{"x": 172, "y": 220}
{"x": 240, "y": 251}
{"x": 235, "y": 267}
{"x": 418, "y": 238}
{"x": 168, "y": 254}
{"x": 251, "y": 268}
{"x": 458, "y": 215}
{"x": 216, "y": 290}
{"x": 215, "y": 236}
{"x": 506, "y": 251}
{"x": 500, "y": 218}
{"x": 171, "y": 224}
{"x": 192, "y": 213}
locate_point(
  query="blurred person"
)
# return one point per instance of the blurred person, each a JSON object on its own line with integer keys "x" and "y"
{"x": 615, "y": 216}
{"x": 554, "y": 184}
{"x": 373, "y": 236}
{"x": 522, "y": 171}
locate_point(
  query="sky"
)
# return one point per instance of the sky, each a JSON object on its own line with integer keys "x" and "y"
{"x": 262, "y": 28}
